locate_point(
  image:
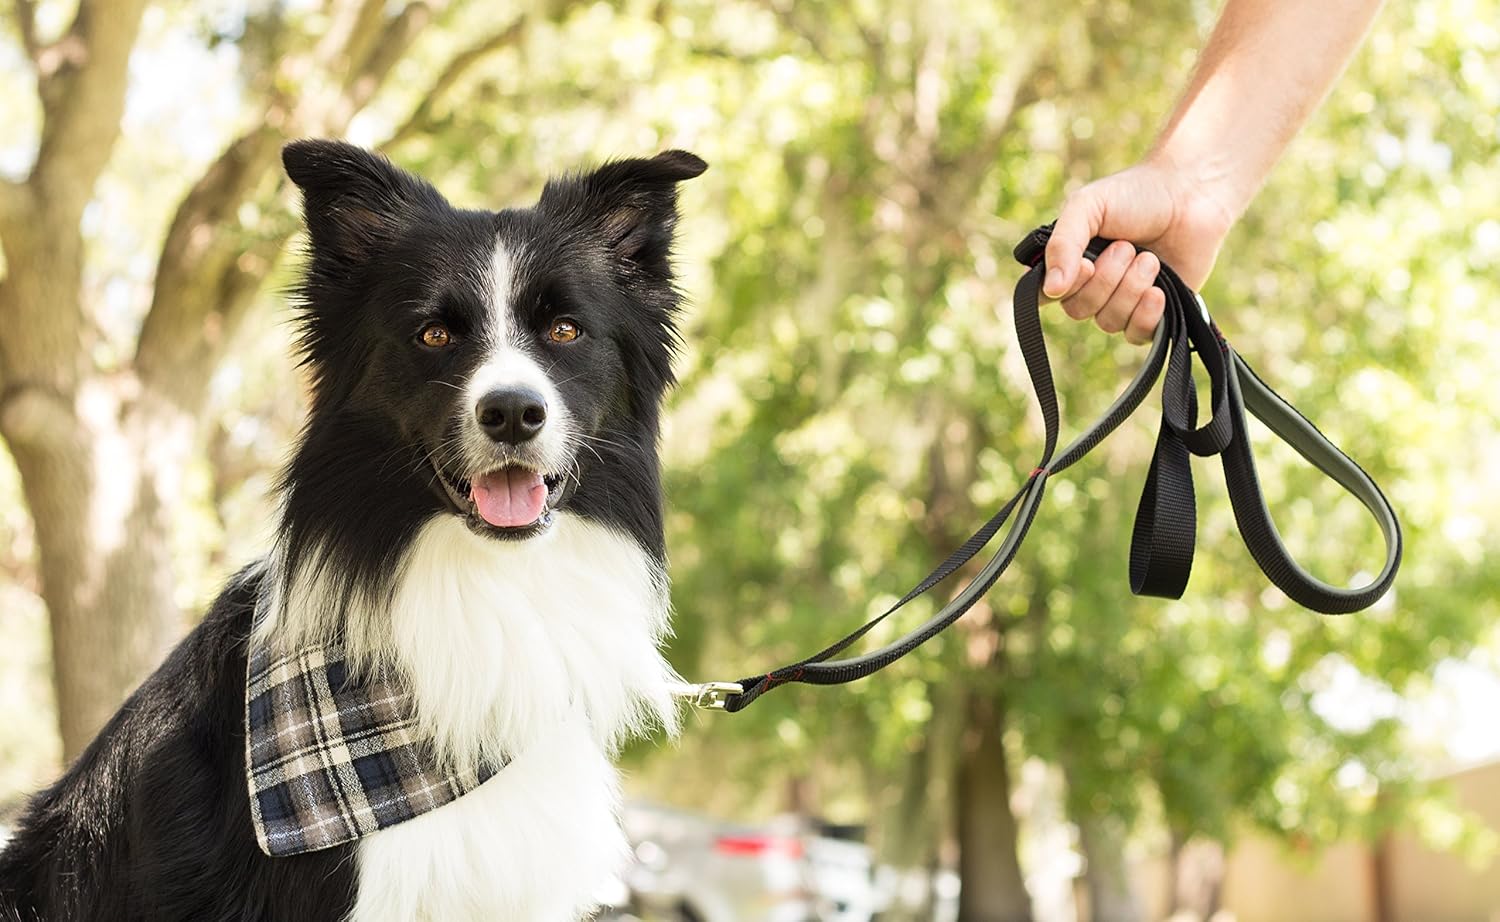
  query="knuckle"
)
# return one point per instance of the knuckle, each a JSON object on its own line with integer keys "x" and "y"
{"x": 1137, "y": 284}
{"x": 1112, "y": 277}
{"x": 1118, "y": 258}
{"x": 1077, "y": 308}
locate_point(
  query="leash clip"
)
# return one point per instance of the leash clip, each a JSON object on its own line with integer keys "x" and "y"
{"x": 708, "y": 696}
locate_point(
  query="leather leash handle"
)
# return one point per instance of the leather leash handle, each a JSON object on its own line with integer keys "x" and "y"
{"x": 1254, "y": 518}
{"x": 1163, "y": 538}
{"x": 1161, "y": 557}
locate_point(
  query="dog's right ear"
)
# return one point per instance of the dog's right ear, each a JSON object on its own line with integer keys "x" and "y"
{"x": 352, "y": 199}
{"x": 630, "y": 204}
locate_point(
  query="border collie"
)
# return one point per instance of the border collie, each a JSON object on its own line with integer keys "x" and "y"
{"x": 473, "y": 516}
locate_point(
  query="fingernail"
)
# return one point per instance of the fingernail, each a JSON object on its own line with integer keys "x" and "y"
{"x": 1052, "y": 286}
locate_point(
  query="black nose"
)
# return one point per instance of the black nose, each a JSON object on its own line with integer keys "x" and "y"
{"x": 512, "y": 415}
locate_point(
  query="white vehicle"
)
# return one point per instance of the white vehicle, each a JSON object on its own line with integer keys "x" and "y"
{"x": 691, "y": 868}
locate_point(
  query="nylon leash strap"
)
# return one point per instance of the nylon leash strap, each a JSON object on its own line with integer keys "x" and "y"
{"x": 1162, "y": 541}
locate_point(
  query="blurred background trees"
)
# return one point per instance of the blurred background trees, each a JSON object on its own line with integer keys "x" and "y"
{"x": 101, "y": 426}
{"x": 851, "y": 403}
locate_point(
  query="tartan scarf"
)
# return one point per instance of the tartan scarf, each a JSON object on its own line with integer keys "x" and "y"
{"x": 331, "y": 756}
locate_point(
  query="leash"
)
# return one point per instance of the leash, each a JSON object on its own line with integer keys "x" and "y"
{"x": 1163, "y": 538}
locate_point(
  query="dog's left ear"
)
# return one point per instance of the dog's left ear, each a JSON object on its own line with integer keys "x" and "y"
{"x": 632, "y": 204}
{"x": 353, "y": 199}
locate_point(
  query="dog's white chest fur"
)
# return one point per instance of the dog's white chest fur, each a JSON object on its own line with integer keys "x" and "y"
{"x": 545, "y": 651}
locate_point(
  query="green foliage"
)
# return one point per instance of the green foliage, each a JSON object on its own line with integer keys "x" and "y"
{"x": 852, "y": 402}
{"x": 883, "y": 411}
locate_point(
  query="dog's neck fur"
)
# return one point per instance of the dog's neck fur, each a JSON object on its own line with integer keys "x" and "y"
{"x": 498, "y": 641}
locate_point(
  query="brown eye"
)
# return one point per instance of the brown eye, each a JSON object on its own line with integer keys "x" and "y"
{"x": 564, "y": 331}
{"x": 436, "y": 336}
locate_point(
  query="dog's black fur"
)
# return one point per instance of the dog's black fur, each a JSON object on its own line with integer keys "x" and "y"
{"x": 598, "y": 247}
{"x": 152, "y": 823}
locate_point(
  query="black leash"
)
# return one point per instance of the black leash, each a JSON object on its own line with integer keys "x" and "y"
{"x": 1161, "y": 546}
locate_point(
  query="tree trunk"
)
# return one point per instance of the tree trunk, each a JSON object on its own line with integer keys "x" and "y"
{"x": 95, "y": 469}
{"x": 103, "y": 535}
{"x": 102, "y": 451}
{"x": 1196, "y": 877}
{"x": 1106, "y": 874}
{"x": 99, "y": 535}
{"x": 989, "y": 867}
{"x": 1382, "y": 901}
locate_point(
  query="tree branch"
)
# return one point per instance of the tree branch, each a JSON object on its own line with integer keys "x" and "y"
{"x": 12, "y": 202}
{"x": 365, "y": 30}
{"x": 212, "y": 262}
{"x": 26, "y": 25}
{"x": 81, "y": 81}
{"x": 460, "y": 65}
{"x": 368, "y": 73}
{"x": 203, "y": 245}
{"x": 956, "y": 178}
{"x": 787, "y": 14}
{"x": 343, "y": 33}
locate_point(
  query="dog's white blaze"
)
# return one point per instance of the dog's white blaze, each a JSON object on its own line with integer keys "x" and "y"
{"x": 545, "y": 650}
{"x": 510, "y": 364}
{"x": 502, "y": 285}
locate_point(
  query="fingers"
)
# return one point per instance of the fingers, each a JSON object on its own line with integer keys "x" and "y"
{"x": 1118, "y": 294}
{"x": 1116, "y": 289}
{"x": 1075, "y": 227}
{"x": 1109, "y": 270}
{"x": 1115, "y": 314}
{"x": 1146, "y": 317}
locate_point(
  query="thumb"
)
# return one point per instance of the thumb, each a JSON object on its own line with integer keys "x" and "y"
{"x": 1076, "y": 226}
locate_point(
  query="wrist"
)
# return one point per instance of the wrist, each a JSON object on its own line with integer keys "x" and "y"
{"x": 1208, "y": 196}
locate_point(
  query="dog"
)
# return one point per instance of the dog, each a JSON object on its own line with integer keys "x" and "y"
{"x": 460, "y": 618}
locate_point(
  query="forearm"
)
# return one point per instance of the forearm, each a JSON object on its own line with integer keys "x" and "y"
{"x": 1265, "y": 69}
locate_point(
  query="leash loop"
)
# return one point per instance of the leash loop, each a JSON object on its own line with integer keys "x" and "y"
{"x": 1163, "y": 536}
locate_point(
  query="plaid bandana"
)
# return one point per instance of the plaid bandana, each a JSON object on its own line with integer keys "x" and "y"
{"x": 331, "y": 758}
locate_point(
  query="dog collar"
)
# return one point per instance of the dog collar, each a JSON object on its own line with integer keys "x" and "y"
{"x": 331, "y": 756}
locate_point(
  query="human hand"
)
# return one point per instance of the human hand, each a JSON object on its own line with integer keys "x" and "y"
{"x": 1154, "y": 205}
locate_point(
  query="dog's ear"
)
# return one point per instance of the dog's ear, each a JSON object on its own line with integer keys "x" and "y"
{"x": 631, "y": 204}
{"x": 352, "y": 199}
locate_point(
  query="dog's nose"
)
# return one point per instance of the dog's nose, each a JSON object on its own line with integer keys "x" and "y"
{"x": 511, "y": 415}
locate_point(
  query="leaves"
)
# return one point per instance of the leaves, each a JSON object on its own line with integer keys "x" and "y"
{"x": 852, "y": 401}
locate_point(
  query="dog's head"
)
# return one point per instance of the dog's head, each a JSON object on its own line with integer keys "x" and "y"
{"x": 497, "y": 366}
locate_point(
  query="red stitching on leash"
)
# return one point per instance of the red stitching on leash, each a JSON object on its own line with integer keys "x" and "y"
{"x": 773, "y": 680}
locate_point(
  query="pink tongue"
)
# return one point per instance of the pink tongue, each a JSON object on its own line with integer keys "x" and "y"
{"x": 510, "y": 498}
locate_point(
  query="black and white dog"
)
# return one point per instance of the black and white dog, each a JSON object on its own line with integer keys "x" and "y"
{"x": 473, "y": 516}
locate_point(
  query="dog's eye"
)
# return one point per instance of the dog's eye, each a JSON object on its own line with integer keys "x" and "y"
{"x": 564, "y": 331}
{"x": 435, "y": 336}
